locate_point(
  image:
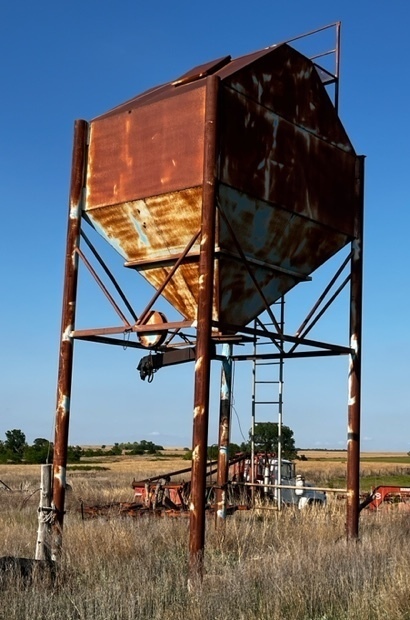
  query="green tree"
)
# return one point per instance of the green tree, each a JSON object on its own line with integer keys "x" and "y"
{"x": 15, "y": 443}
{"x": 40, "y": 452}
{"x": 115, "y": 450}
{"x": 266, "y": 439}
{"x": 74, "y": 454}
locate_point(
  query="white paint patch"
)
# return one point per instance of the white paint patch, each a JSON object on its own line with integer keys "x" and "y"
{"x": 61, "y": 476}
{"x": 198, "y": 363}
{"x": 195, "y": 453}
{"x": 356, "y": 249}
{"x": 197, "y": 411}
{"x": 191, "y": 507}
{"x": 74, "y": 211}
{"x": 65, "y": 404}
{"x": 67, "y": 333}
{"x": 354, "y": 343}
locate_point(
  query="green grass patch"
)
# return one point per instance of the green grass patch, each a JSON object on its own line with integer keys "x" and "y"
{"x": 385, "y": 459}
{"x": 365, "y": 459}
{"x": 367, "y": 482}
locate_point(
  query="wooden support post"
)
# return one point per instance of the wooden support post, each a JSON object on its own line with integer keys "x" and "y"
{"x": 45, "y": 514}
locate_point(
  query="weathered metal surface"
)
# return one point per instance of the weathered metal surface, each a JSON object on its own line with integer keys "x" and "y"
{"x": 203, "y": 348}
{"x": 271, "y": 158}
{"x": 354, "y": 403}
{"x": 283, "y": 80}
{"x": 67, "y": 326}
{"x": 158, "y": 227}
{"x": 153, "y": 227}
{"x": 285, "y": 171}
{"x": 159, "y": 290}
{"x": 148, "y": 151}
{"x": 224, "y": 434}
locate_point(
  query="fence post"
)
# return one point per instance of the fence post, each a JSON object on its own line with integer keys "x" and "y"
{"x": 43, "y": 545}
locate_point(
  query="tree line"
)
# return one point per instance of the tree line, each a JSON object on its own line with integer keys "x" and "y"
{"x": 15, "y": 449}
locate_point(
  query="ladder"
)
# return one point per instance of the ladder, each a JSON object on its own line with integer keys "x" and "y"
{"x": 267, "y": 386}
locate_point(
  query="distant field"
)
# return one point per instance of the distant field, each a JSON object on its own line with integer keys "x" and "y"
{"x": 331, "y": 455}
{"x": 268, "y": 565}
{"x": 324, "y": 468}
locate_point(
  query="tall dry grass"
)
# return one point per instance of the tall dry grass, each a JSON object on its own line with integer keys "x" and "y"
{"x": 292, "y": 565}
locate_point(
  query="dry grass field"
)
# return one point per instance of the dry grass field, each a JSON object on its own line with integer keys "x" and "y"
{"x": 293, "y": 565}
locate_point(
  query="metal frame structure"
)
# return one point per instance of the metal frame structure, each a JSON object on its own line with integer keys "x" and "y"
{"x": 184, "y": 340}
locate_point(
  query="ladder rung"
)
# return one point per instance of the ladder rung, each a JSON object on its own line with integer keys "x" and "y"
{"x": 269, "y": 382}
{"x": 268, "y": 363}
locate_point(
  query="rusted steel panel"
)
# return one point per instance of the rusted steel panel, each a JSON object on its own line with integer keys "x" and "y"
{"x": 182, "y": 289}
{"x": 146, "y": 151}
{"x": 286, "y": 172}
{"x": 240, "y": 301}
{"x": 156, "y": 227}
{"x": 277, "y": 236}
{"x": 273, "y": 236}
{"x": 286, "y": 82}
{"x": 272, "y": 159}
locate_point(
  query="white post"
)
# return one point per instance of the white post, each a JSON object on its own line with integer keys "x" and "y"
{"x": 43, "y": 545}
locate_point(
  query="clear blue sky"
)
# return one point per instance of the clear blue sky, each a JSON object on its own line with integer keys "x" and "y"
{"x": 62, "y": 61}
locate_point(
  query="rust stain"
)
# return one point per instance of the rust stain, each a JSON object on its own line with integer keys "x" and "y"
{"x": 283, "y": 80}
{"x": 275, "y": 160}
{"x": 286, "y": 180}
{"x": 147, "y": 151}
{"x": 155, "y": 227}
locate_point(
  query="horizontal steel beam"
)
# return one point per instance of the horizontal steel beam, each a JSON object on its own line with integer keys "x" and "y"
{"x": 121, "y": 329}
{"x": 290, "y": 355}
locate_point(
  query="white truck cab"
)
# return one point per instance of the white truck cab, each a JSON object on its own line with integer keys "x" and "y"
{"x": 266, "y": 474}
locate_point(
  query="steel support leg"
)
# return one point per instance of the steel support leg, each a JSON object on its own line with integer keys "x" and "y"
{"x": 224, "y": 435}
{"x": 204, "y": 332}
{"x": 356, "y": 296}
{"x": 67, "y": 326}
